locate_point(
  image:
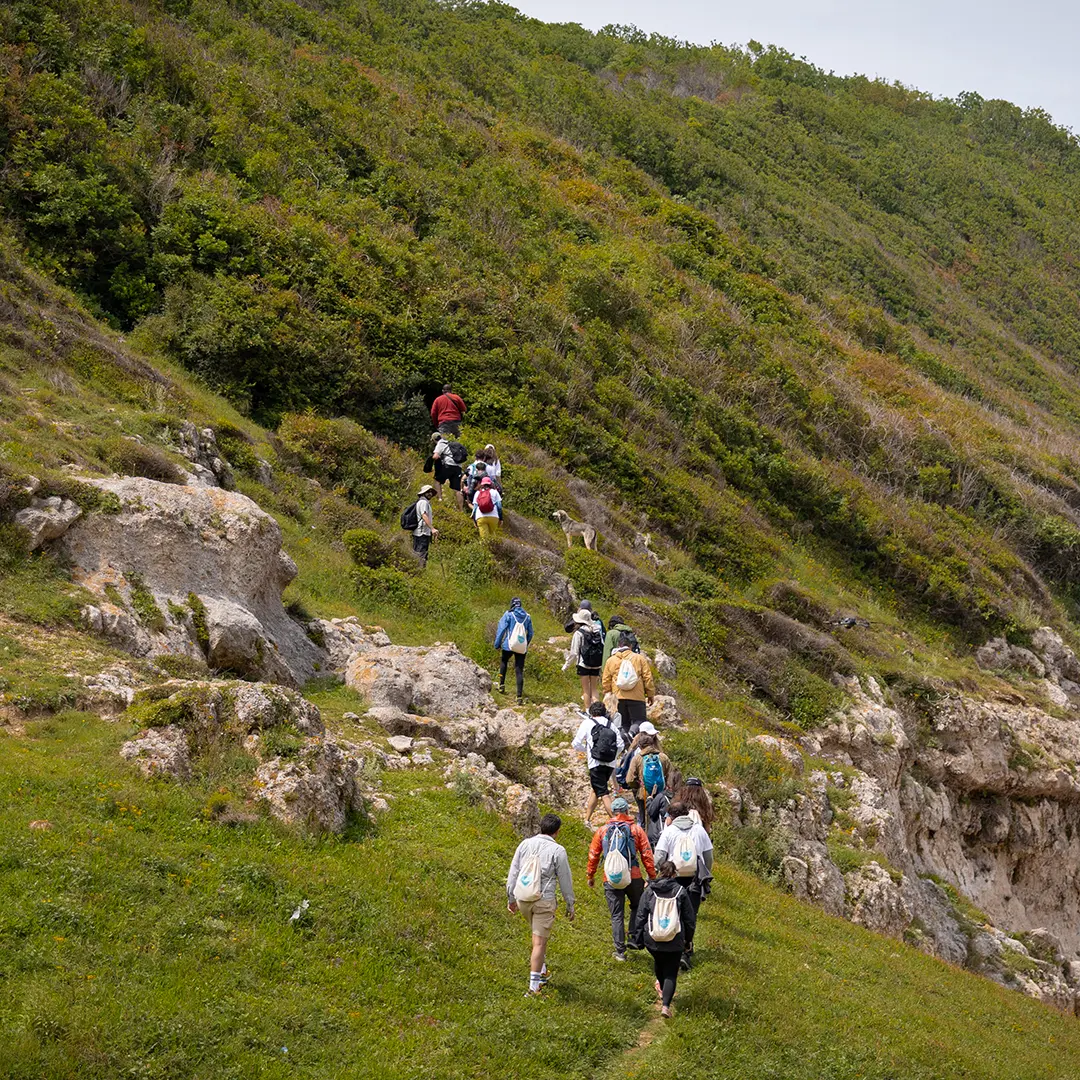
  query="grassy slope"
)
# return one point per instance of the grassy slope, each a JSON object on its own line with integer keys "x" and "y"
{"x": 140, "y": 939}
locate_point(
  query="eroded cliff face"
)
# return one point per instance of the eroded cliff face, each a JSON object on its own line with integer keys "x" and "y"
{"x": 980, "y": 794}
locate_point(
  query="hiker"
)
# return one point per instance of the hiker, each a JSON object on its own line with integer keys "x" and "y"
{"x": 586, "y": 649}
{"x": 424, "y": 531}
{"x": 650, "y": 770}
{"x": 656, "y": 811}
{"x": 666, "y": 918}
{"x": 494, "y": 465}
{"x": 513, "y": 635}
{"x": 447, "y": 411}
{"x": 586, "y": 605}
{"x": 448, "y": 456}
{"x": 471, "y": 481}
{"x": 601, "y": 741}
{"x": 539, "y": 863}
{"x": 686, "y": 843}
{"x": 629, "y": 676}
{"x": 698, "y": 803}
{"x": 625, "y": 847}
{"x": 487, "y": 510}
{"x": 617, "y": 626}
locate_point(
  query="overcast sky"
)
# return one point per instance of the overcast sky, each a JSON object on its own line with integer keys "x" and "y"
{"x": 1023, "y": 52}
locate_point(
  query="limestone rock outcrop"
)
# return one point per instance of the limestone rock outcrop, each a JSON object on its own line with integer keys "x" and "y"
{"x": 191, "y": 571}
{"x": 430, "y": 681}
{"x": 160, "y": 752}
{"x": 47, "y": 519}
{"x": 316, "y": 788}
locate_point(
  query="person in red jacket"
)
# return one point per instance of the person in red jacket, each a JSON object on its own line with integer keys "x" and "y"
{"x": 446, "y": 412}
{"x": 640, "y": 854}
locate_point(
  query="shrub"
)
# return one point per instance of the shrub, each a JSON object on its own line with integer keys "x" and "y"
{"x": 384, "y": 585}
{"x": 367, "y": 548}
{"x": 533, "y": 492}
{"x": 131, "y": 458}
{"x": 810, "y": 698}
{"x": 591, "y": 574}
{"x": 341, "y": 453}
{"x": 474, "y": 565}
{"x": 695, "y": 583}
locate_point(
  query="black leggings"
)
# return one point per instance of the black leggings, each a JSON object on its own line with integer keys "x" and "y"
{"x": 666, "y": 967}
{"x": 519, "y": 669}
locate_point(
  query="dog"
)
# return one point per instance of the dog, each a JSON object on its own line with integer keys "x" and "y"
{"x": 574, "y": 528}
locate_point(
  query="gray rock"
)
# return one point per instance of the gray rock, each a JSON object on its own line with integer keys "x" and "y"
{"x": 876, "y": 901}
{"x": 200, "y": 447}
{"x": 159, "y": 752}
{"x": 179, "y": 541}
{"x": 665, "y": 665}
{"x": 316, "y": 789}
{"x": 401, "y": 743}
{"x": 47, "y": 519}
{"x": 431, "y": 681}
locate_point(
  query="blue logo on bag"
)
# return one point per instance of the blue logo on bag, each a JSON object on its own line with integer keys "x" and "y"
{"x": 526, "y": 878}
{"x": 685, "y": 856}
{"x": 665, "y": 923}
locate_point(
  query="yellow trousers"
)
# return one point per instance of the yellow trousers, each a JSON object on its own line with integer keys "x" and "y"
{"x": 489, "y": 527}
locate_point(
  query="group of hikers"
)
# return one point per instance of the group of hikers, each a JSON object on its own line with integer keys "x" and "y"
{"x": 476, "y": 487}
{"x": 657, "y": 861}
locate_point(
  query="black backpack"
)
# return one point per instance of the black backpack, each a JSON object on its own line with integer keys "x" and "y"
{"x": 458, "y": 454}
{"x": 592, "y": 648}
{"x": 630, "y": 635}
{"x": 410, "y": 517}
{"x": 605, "y": 746}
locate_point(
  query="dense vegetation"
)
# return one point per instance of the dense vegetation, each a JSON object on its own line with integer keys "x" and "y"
{"x": 766, "y": 306}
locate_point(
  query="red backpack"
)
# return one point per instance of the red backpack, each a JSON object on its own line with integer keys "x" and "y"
{"x": 484, "y": 502}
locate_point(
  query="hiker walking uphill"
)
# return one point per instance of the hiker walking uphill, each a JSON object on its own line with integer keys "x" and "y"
{"x": 685, "y": 843}
{"x": 487, "y": 510}
{"x": 447, "y": 411}
{"x": 601, "y": 741}
{"x": 447, "y": 457}
{"x": 512, "y": 636}
{"x": 539, "y": 865}
{"x": 418, "y": 520}
{"x": 625, "y": 848}
{"x": 617, "y": 627}
{"x": 629, "y": 676}
{"x": 666, "y": 919}
{"x": 650, "y": 770}
{"x": 586, "y": 651}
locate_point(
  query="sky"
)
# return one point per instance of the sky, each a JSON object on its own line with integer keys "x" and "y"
{"x": 1024, "y": 52}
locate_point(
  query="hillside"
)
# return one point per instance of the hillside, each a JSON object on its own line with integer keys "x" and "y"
{"x": 801, "y": 348}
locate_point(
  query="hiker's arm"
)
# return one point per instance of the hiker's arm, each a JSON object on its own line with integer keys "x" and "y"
{"x": 566, "y": 883}
{"x": 581, "y": 738}
{"x": 595, "y": 847}
{"x": 707, "y": 858}
{"x": 511, "y": 878}
{"x": 575, "y": 650}
{"x": 645, "y": 850}
{"x": 650, "y": 684}
{"x": 687, "y": 915}
{"x": 608, "y": 678}
{"x": 528, "y": 628}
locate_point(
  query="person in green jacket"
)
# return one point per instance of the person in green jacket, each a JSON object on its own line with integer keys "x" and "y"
{"x": 616, "y": 627}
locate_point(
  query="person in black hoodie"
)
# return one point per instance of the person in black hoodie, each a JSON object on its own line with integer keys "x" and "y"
{"x": 666, "y": 954}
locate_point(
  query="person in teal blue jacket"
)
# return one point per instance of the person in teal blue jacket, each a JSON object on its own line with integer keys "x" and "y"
{"x": 506, "y": 638}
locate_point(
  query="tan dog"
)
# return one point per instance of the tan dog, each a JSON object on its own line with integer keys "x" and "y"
{"x": 574, "y": 528}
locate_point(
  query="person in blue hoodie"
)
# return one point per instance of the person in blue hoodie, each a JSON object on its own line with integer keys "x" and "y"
{"x": 508, "y": 638}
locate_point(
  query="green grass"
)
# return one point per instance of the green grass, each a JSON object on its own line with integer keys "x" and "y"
{"x": 141, "y": 938}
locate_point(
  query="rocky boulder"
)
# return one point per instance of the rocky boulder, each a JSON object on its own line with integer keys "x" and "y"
{"x": 47, "y": 519}
{"x": 192, "y": 571}
{"x": 199, "y": 446}
{"x": 160, "y": 752}
{"x": 428, "y": 681}
{"x": 479, "y": 781}
{"x": 316, "y": 788}
{"x": 343, "y": 637}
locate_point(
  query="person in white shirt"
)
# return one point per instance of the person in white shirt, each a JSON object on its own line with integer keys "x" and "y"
{"x": 487, "y": 510}
{"x": 425, "y": 530}
{"x": 540, "y": 913}
{"x": 600, "y": 739}
{"x": 586, "y": 651}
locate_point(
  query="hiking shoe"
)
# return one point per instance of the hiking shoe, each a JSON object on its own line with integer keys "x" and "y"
{"x": 531, "y": 993}
{"x": 521, "y": 701}
{"x": 684, "y": 962}
{"x": 633, "y": 946}
{"x": 665, "y": 1011}
{"x": 545, "y": 979}
{"x": 501, "y": 689}
{"x": 616, "y": 955}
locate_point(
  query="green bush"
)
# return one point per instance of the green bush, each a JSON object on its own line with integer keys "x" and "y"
{"x": 131, "y": 458}
{"x": 368, "y": 471}
{"x": 534, "y": 492}
{"x": 810, "y": 698}
{"x": 695, "y": 583}
{"x": 474, "y": 565}
{"x": 367, "y": 548}
{"x": 591, "y": 574}
{"x": 384, "y": 585}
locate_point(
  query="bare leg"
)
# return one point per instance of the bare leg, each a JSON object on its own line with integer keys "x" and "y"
{"x": 539, "y": 953}
{"x": 460, "y": 500}
{"x": 594, "y": 691}
{"x": 590, "y": 806}
{"x": 607, "y": 804}
{"x": 586, "y": 692}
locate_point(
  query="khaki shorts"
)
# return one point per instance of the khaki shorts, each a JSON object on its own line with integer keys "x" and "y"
{"x": 539, "y": 914}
